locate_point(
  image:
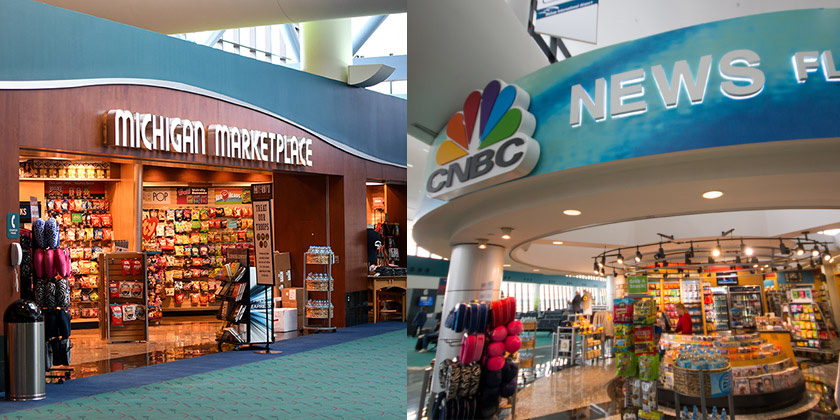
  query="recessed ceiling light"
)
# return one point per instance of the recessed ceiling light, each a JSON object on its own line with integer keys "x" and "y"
{"x": 536, "y": 269}
{"x": 831, "y": 232}
{"x": 506, "y": 232}
{"x": 712, "y": 194}
{"x": 505, "y": 265}
{"x": 410, "y": 165}
{"x": 482, "y": 243}
{"x": 571, "y": 212}
{"x": 557, "y": 242}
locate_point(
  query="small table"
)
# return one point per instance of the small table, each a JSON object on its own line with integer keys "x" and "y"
{"x": 377, "y": 283}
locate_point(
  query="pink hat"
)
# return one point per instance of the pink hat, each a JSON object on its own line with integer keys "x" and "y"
{"x": 62, "y": 262}
{"x": 49, "y": 263}
{"x": 498, "y": 334}
{"x": 495, "y": 363}
{"x": 496, "y": 349}
{"x": 514, "y": 328}
{"x": 512, "y": 344}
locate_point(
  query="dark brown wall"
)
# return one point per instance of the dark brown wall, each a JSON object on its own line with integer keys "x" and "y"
{"x": 71, "y": 120}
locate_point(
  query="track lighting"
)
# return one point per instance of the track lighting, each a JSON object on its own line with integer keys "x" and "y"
{"x": 506, "y": 232}
{"x": 638, "y": 255}
{"x": 711, "y": 260}
{"x": 688, "y": 257}
{"x": 799, "y": 266}
{"x": 482, "y": 243}
{"x": 812, "y": 263}
{"x": 826, "y": 255}
{"x": 746, "y": 249}
{"x": 783, "y": 249}
{"x": 716, "y": 249}
{"x": 595, "y": 267}
{"x": 620, "y": 258}
{"x": 754, "y": 262}
{"x": 815, "y": 251}
{"x": 660, "y": 254}
{"x": 691, "y": 250}
{"x": 699, "y": 270}
{"x": 603, "y": 261}
{"x": 737, "y": 259}
{"x": 799, "y": 249}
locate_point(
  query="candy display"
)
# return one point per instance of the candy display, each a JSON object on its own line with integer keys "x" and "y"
{"x": 623, "y": 311}
{"x": 644, "y": 312}
{"x": 84, "y": 224}
{"x": 59, "y": 169}
{"x": 625, "y": 363}
{"x": 192, "y": 241}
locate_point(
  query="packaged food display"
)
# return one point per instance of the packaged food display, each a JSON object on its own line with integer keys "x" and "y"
{"x": 644, "y": 312}
{"x": 649, "y": 368}
{"x": 623, "y": 311}
{"x": 625, "y": 363}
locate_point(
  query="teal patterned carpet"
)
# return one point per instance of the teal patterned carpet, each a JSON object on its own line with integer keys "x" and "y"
{"x": 360, "y": 379}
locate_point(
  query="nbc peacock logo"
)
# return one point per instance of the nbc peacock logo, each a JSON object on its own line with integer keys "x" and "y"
{"x": 488, "y": 142}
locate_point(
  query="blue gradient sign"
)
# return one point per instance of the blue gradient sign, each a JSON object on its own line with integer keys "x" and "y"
{"x": 761, "y": 78}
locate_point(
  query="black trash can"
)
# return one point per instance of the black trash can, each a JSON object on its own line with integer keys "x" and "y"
{"x": 25, "y": 347}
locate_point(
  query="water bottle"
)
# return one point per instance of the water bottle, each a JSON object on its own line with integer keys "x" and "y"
{"x": 714, "y": 413}
{"x": 723, "y": 415}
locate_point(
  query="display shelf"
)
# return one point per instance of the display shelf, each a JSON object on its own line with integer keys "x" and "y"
{"x": 121, "y": 298}
{"x": 528, "y": 338}
{"x": 70, "y": 179}
{"x": 320, "y": 309}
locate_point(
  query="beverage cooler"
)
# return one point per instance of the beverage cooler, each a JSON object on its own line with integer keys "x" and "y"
{"x": 744, "y": 305}
{"x": 717, "y": 311}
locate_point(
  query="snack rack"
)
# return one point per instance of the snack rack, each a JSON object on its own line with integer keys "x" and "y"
{"x": 528, "y": 338}
{"x": 574, "y": 345}
{"x": 111, "y": 271}
{"x": 235, "y": 295}
{"x": 322, "y": 261}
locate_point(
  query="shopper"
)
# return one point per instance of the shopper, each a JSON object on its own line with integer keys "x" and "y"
{"x": 423, "y": 340}
{"x": 419, "y": 322}
{"x": 576, "y": 303}
{"x": 684, "y": 323}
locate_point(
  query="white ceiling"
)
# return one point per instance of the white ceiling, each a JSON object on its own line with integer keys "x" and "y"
{"x": 182, "y": 16}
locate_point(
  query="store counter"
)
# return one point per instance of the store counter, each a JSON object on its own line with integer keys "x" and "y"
{"x": 780, "y": 338}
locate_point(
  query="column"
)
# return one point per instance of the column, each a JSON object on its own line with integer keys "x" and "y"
{"x": 326, "y": 48}
{"x": 831, "y": 288}
{"x": 610, "y": 295}
{"x": 474, "y": 274}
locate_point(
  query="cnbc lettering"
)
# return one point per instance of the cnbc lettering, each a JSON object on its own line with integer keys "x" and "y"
{"x": 739, "y": 69}
{"x": 177, "y": 135}
{"x": 488, "y": 142}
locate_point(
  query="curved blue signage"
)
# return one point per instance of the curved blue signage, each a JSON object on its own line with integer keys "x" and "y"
{"x": 754, "y": 79}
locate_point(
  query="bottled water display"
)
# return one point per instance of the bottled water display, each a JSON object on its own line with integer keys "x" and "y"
{"x": 705, "y": 358}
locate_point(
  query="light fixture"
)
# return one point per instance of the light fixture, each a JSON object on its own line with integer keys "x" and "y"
{"x": 711, "y": 260}
{"x": 505, "y": 265}
{"x": 716, "y": 249}
{"x": 711, "y": 195}
{"x": 660, "y": 254}
{"x": 754, "y": 262}
{"x": 826, "y": 255}
{"x": 506, "y": 232}
{"x": 595, "y": 267}
{"x": 783, "y": 249}
{"x": 619, "y": 259}
{"x": 571, "y": 212}
{"x": 638, "y": 257}
{"x": 746, "y": 249}
{"x": 691, "y": 250}
{"x": 799, "y": 249}
{"x": 812, "y": 262}
{"x": 602, "y": 262}
{"x": 737, "y": 259}
{"x": 482, "y": 243}
{"x": 687, "y": 257}
{"x": 536, "y": 269}
{"x": 557, "y": 243}
{"x": 799, "y": 266}
{"x": 815, "y": 252}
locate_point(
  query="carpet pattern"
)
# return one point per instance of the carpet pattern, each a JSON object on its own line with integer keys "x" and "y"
{"x": 360, "y": 379}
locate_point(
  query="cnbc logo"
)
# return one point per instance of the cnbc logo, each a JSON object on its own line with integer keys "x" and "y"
{"x": 487, "y": 143}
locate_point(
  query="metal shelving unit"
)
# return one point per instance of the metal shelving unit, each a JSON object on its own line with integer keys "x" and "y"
{"x": 527, "y": 368}
{"x": 324, "y": 261}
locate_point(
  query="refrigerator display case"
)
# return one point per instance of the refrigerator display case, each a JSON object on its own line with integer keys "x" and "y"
{"x": 745, "y": 304}
{"x": 717, "y": 309}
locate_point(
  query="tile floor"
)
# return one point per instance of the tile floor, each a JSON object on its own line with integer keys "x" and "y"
{"x": 174, "y": 339}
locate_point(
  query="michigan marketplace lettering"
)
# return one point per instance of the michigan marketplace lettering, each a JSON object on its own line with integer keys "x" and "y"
{"x": 739, "y": 69}
{"x": 176, "y": 135}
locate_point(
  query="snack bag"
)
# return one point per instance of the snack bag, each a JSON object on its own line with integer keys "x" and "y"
{"x": 128, "y": 312}
{"x": 125, "y": 289}
{"x": 179, "y": 298}
{"x": 636, "y": 396}
{"x": 126, "y": 267}
{"x": 140, "y": 312}
{"x": 622, "y": 311}
{"x": 194, "y": 298}
{"x": 116, "y": 315}
{"x": 649, "y": 369}
{"x": 644, "y": 312}
{"x": 625, "y": 363}
{"x": 648, "y": 396}
{"x": 137, "y": 290}
{"x": 650, "y": 415}
{"x": 137, "y": 268}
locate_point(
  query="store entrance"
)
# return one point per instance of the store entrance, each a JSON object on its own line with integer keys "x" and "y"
{"x": 147, "y": 248}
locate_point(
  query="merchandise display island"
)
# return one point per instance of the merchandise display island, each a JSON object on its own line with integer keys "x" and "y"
{"x": 764, "y": 376}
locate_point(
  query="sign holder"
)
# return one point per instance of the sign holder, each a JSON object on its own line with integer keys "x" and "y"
{"x": 262, "y": 201}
